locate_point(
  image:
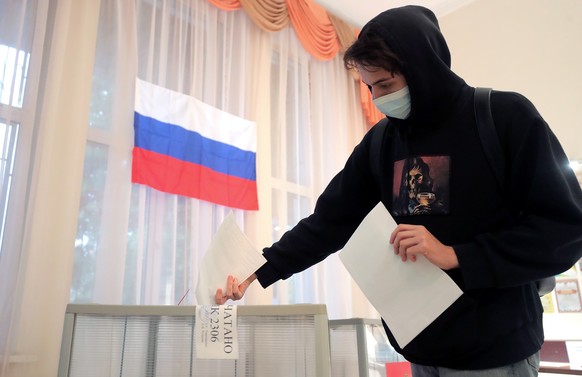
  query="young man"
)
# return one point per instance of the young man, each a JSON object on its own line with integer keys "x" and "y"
{"x": 493, "y": 243}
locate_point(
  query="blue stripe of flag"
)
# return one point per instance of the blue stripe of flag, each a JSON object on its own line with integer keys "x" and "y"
{"x": 190, "y": 146}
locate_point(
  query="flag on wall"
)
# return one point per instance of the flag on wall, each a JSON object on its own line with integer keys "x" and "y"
{"x": 186, "y": 147}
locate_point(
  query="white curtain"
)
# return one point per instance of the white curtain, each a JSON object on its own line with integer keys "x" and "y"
{"x": 139, "y": 246}
{"x": 89, "y": 235}
{"x": 36, "y": 258}
{"x": 136, "y": 245}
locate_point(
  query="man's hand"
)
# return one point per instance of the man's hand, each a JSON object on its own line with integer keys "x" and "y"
{"x": 412, "y": 240}
{"x": 234, "y": 291}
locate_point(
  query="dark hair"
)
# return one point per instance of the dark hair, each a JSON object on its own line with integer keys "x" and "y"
{"x": 371, "y": 50}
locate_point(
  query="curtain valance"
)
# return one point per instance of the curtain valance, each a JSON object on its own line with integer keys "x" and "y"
{"x": 322, "y": 34}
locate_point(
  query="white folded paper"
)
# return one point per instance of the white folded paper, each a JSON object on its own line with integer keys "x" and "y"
{"x": 230, "y": 253}
{"x": 408, "y": 295}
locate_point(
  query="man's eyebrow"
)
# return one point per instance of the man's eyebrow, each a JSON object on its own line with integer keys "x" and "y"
{"x": 380, "y": 80}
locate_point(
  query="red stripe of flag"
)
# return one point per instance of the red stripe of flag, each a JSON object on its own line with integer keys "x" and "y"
{"x": 183, "y": 178}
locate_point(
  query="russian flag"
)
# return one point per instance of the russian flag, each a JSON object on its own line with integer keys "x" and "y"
{"x": 186, "y": 147}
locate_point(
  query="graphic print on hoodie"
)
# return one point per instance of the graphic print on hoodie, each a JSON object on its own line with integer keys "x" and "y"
{"x": 421, "y": 186}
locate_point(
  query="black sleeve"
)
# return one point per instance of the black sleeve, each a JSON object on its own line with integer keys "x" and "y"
{"x": 347, "y": 199}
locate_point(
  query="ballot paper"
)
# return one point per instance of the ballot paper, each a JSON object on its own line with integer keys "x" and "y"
{"x": 230, "y": 253}
{"x": 408, "y": 295}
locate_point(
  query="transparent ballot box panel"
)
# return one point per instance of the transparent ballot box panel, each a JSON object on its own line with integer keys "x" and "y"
{"x": 360, "y": 347}
{"x": 148, "y": 341}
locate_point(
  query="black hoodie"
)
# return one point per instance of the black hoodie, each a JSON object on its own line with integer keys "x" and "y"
{"x": 504, "y": 239}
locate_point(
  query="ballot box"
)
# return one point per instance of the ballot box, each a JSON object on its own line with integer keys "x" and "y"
{"x": 148, "y": 341}
{"x": 360, "y": 347}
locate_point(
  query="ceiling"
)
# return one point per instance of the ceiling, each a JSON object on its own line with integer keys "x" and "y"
{"x": 355, "y": 13}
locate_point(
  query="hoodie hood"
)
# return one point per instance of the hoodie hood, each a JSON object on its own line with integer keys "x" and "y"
{"x": 413, "y": 34}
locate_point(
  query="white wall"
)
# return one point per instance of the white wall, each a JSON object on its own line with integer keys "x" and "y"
{"x": 530, "y": 46}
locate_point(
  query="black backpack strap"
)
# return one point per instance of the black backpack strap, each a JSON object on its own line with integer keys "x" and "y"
{"x": 496, "y": 158}
{"x": 488, "y": 134}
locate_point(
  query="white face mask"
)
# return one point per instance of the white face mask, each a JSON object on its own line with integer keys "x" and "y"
{"x": 395, "y": 105}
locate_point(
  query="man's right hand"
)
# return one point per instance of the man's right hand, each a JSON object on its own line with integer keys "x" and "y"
{"x": 234, "y": 290}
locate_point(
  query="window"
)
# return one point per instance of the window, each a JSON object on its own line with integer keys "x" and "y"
{"x": 13, "y": 73}
{"x": 8, "y": 141}
{"x": 21, "y": 40}
{"x": 13, "y": 70}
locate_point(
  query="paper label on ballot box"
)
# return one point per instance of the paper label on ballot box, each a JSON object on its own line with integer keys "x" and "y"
{"x": 216, "y": 332}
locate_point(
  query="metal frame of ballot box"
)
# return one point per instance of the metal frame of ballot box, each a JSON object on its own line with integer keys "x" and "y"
{"x": 149, "y": 341}
{"x": 360, "y": 347}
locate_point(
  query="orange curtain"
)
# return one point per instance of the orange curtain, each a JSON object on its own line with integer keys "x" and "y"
{"x": 269, "y": 15}
{"x": 226, "y": 4}
{"x": 346, "y": 34}
{"x": 322, "y": 34}
{"x": 314, "y": 29}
